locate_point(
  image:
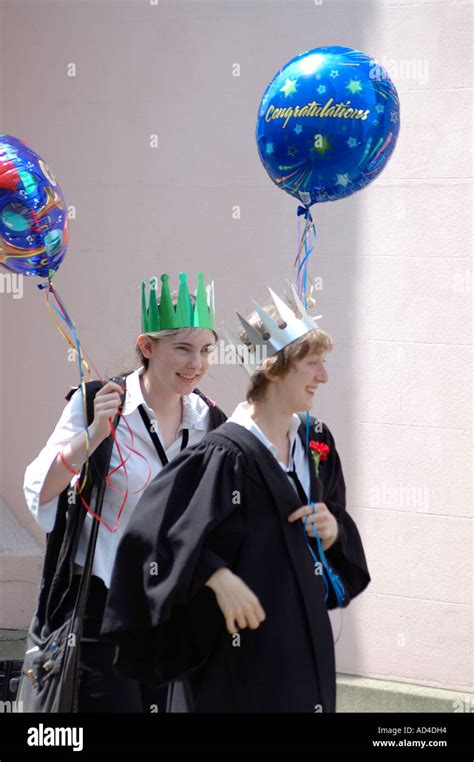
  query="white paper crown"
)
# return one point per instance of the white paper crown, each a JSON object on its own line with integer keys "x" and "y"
{"x": 277, "y": 336}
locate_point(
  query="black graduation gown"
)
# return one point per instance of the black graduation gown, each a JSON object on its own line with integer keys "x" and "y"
{"x": 225, "y": 502}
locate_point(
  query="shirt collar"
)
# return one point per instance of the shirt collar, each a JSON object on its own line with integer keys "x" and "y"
{"x": 194, "y": 408}
{"x": 241, "y": 416}
{"x": 194, "y": 412}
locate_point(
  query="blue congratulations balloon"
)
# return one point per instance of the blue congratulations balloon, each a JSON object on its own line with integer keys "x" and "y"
{"x": 34, "y": 232}
{"x": 327, "y": 124}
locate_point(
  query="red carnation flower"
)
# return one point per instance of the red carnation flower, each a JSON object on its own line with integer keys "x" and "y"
{"x": 319, "y": 451}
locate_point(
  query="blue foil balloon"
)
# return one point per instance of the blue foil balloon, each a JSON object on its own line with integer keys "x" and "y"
{"x": 33, "y": 216}
{"x": 327, "y": 124}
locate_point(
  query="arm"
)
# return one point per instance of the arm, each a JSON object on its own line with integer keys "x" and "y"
{"x": 236, "y": 601}
{"x": 74, "y": 453}
{"x": 47, "y": 476}
{"x": 188, "y": 524}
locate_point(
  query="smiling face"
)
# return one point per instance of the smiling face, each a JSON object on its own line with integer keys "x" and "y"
{"x": 291, "y": 376}
{"x": 296, "y": 389}
{"x": 177, "y": 363}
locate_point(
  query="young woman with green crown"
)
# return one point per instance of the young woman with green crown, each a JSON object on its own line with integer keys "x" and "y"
{"x": 163, "y": 412}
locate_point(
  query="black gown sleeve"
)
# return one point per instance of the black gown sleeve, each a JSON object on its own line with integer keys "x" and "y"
{"x": 346, "y": 555}
{"x": 188, "y": 523}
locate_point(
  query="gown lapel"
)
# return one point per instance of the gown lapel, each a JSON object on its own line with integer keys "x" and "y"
{"x": 275, "y": 478}
{"x": 283, "y": 494}
{"x": 316, "y": 485}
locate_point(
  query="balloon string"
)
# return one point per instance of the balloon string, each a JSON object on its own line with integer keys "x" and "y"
{"x": 61, "y": 311}
{"x": 307, "y": 243}
{"x": 326, "y": 568}
{"x": 321, "y": 563}
{"x": 302, "y": 271}
{"x": 76, "y": 346}
{"x": 122, "y": 464}
{"x": 131, "y": 450}
{"x": 99, "y": 518}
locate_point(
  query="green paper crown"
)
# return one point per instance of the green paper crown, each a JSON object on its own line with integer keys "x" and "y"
{"x": 165, "y": 315}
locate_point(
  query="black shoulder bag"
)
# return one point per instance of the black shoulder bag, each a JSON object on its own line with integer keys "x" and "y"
{"x": 50, "y": 674}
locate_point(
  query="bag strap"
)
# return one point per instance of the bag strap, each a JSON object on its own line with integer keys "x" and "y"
{"x": 59, "y": 542}
{"x": 216, "y": 415}
{"x": 84, "y": 586}
{"x": 64, "y": 539}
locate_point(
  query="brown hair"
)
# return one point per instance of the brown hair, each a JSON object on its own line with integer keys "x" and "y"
{"x": 139, "y": 357}
{"x": 313, "y": 342}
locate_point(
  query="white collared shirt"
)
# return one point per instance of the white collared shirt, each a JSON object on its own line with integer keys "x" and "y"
{"x": 71, "y": 423}
{"x": 241, "y": 415}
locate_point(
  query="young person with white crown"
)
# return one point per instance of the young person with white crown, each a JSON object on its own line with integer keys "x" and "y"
{"x": 163, "y": 412}
{"x": 254, "y": 543}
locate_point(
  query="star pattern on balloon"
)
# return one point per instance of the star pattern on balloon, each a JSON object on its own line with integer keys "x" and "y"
{"x": 289, "y": 87}
{"x": 354, "y": 86}
{"x": 342, "y": 180}
{"x": 296, "y": 150}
